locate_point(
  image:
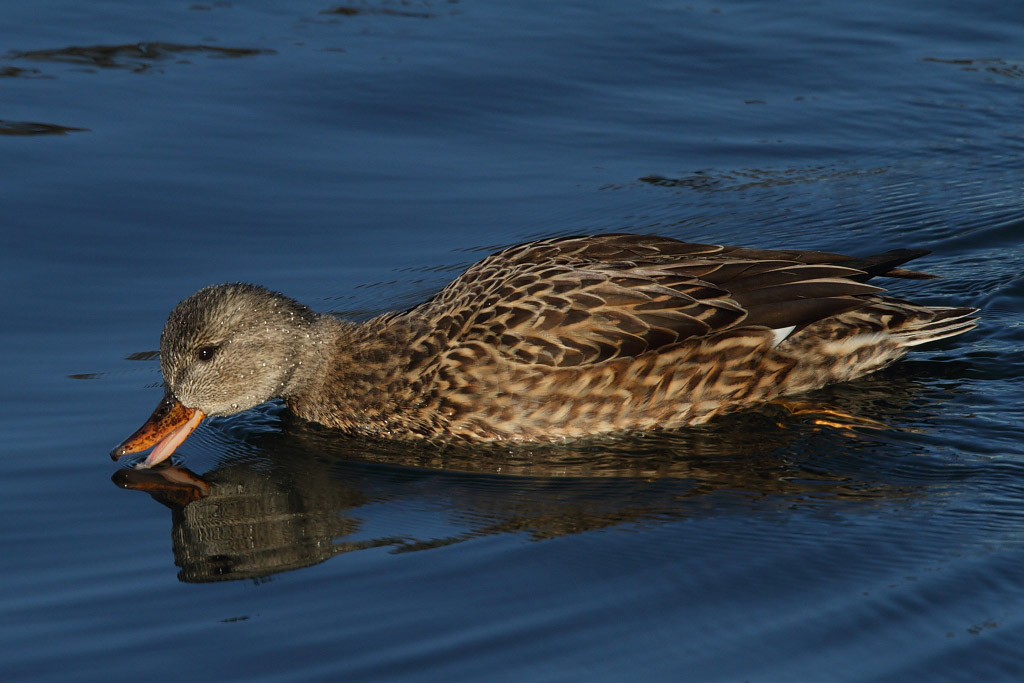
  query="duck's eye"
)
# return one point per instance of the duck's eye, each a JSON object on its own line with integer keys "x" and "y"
{"x": 206, "y": 353}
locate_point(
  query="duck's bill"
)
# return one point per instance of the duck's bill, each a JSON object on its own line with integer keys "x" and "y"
{"x": 168, "y": 426}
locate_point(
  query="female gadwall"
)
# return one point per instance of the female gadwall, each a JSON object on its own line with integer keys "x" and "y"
{"x": 547, "y": 340}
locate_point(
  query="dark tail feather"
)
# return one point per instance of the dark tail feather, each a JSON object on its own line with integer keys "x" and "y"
{"x": 886, "y": 265}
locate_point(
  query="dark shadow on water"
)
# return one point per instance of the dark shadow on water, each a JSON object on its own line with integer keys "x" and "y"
{"x": 303, "y": 494}
{"x": 137, "y": 57}
{"x": 18, "y": 72}
{"x": 745, "y": 179}
{"x": 351, "y": 11}
{"x": 998, "y": 66}
{"x": 25, "y": 128}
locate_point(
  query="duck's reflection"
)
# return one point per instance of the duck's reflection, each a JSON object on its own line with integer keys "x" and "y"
{"x": 304, "y": 495}
{"x": 246, "y": 522}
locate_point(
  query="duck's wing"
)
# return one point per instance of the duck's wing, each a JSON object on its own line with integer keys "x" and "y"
{"x": 618, "y": 247}
{"x": 578, "y": 301}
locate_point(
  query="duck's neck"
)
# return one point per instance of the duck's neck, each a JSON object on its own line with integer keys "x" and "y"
{"x": 354, "y": 378}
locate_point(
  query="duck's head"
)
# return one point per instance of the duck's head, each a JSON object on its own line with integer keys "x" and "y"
{"x": 223, "y": 350}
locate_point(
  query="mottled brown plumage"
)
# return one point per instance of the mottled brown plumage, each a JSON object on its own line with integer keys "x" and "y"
{"x": 558, "y": 338}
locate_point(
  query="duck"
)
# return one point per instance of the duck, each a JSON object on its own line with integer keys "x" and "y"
{"x": 554, "y": 339}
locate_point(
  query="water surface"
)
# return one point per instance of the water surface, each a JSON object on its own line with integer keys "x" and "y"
{"x": 357, "y": 156}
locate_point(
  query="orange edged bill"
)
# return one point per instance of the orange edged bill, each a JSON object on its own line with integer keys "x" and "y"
{"x": 165, "y": 429}
{"x": 170, "y": 485}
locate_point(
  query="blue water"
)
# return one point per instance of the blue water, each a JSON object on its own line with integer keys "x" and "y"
{"x": 356, "y": 160}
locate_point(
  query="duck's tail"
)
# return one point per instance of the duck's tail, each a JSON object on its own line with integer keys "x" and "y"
{"x": 944, "y": 322}
{"x": 866, "y": 339}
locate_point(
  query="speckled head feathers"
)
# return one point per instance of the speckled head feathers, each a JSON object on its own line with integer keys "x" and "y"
{"x": 229, "y": 347}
